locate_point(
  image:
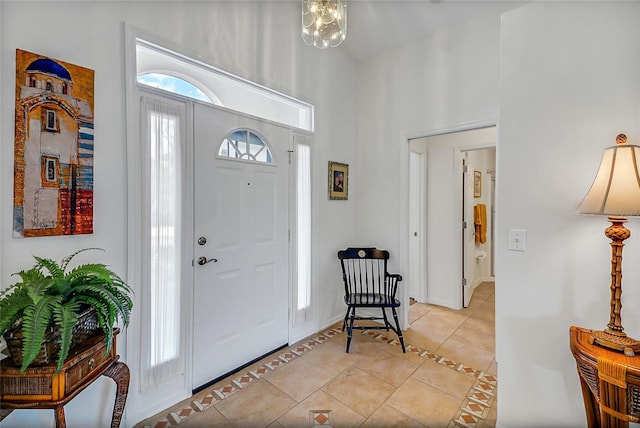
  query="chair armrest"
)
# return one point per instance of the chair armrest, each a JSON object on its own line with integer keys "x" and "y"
{"x": 396, "y": 276}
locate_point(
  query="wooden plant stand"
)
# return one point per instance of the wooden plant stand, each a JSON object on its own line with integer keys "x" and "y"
{"x": 43, "y": 388}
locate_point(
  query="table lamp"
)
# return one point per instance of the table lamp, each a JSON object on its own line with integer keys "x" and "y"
{"x": 615, "y": 192}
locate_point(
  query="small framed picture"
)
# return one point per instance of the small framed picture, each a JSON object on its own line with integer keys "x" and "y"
{"x": 338, "y": 180}
{"x": 477, "y": 184}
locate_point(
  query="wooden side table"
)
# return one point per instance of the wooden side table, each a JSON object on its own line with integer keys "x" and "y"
{"x": 610, "y": 382}
{"x": 43, "y": 388}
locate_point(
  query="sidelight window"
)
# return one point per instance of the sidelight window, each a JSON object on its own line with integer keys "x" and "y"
{"x": 163, "y": 124}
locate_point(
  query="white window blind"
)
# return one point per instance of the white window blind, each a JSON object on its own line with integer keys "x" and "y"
{"x": 163, "y": 134}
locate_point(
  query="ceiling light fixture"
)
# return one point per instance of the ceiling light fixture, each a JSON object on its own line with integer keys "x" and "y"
{"x": 324, "y": 22}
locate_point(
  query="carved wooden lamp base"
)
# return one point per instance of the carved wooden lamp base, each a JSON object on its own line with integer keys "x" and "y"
{"x": 616, "y": 341}
{"x": 614, "y": 336}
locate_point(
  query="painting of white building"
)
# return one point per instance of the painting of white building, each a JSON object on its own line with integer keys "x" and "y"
{"x": 53, "y": 160}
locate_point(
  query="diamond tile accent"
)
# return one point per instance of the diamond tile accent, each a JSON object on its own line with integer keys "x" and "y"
{"x": 479, "y": 397}
{"x": 225, "y": 391}
{"x": 486, "y": 388}
{"x": 413, "y": 349}
{"x": 467, "y": 420}
{"x": 476, "y": 409}
{"x": 260, "y": 371}
{"x": 286, "y": 357}
{"x": 488, "y": 378}
{"x": 468, "y": 370}
{"x": 243, "y": 381}
{"x": 322, "y": 418}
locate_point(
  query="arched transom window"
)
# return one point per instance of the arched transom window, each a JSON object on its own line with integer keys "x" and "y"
{"x": 244, "y": 144}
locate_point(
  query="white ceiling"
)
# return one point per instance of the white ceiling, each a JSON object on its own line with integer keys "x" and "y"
{"x": 375, "y": 26}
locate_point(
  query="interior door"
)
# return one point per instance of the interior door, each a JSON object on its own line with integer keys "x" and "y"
{"x": 468, "y": 232}
{"x": 241, "y": 251}
{"x": 417, "y": 219}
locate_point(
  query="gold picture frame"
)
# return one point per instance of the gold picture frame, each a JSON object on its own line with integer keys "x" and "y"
{"x": 477, "y": 184}
{"x": 338, "y": 180}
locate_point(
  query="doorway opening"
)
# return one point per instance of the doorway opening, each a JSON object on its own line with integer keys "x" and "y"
{"x": 436, "y": 207}
{"x": 478, "y": 177}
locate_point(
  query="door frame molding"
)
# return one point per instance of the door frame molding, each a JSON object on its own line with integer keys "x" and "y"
{"x": 405, "y": 164}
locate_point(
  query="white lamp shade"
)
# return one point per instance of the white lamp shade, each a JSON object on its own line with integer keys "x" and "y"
{"x": 616, "y": 188}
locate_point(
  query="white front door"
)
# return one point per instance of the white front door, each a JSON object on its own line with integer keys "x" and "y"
{"x": 241, "y": 224}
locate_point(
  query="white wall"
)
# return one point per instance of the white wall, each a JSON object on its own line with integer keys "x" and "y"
{"x": 570, "y": 82}
{"x": 445, "y": 82}
{"x": 257, "y": 40}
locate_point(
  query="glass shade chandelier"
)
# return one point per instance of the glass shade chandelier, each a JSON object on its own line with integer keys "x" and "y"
{"x": 324, "y": 22}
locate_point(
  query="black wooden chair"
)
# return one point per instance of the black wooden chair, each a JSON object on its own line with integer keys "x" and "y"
{"x": 367, "y": 284}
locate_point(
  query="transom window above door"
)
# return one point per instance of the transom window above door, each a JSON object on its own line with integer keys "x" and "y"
{"x": 175, "y": 85}
{"x": 244, "y": 144}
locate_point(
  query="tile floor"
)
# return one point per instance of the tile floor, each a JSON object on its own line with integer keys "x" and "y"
{"x": 447, "y": 378}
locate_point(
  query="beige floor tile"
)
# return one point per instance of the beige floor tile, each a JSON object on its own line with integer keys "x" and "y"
{"x": 360, "y": 390}
{"x": 475, "y": 338}
{"x": 389, "y": 417}
{"x": 485, "y": 314}
{"x": 475, "y": 304}
{"x": 298, "y": 378}
{"x": 445, "y": 379}
{"x": 332, "y": 357}
{"x": 424, "y": 403}
{"x": 429, "y": 332}
{"x": 341, "y": 415}
{"x": 392, "y": 369}
{"x": 452, "y": 317}
{"x": 493, "y": 368}
{"x": 209, "y": 418}
{"x": 485, "y": 289}
{"x": 259, "y": 404}
{"x": 480, "y": 324}
{"x": 417, "y": 310}
{"x": 462, "y": 352}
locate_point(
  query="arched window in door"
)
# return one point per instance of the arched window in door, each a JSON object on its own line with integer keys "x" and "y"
{"x": 244, "y": 144}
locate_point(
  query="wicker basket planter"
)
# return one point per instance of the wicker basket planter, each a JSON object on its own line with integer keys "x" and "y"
{"x": 86, "y": 327}
{"x": 42, "y": 316}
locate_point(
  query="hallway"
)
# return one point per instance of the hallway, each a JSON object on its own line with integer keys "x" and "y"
{"x": 447, "y": 378}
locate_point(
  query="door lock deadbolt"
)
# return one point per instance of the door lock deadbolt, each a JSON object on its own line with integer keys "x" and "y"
{"x": 202, "y": 240}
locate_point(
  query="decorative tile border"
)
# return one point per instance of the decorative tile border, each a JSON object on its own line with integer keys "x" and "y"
{"x": 474, "y": 409}
{"x": 480, "y": 398}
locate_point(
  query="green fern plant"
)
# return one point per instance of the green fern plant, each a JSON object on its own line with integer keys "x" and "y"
{"x": 52, "y": 294}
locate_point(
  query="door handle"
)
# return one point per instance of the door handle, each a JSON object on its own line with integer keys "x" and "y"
{"x": 203, "y": 261}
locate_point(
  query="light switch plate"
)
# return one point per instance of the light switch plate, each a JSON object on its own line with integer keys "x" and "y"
{"x": 517, "y": 239}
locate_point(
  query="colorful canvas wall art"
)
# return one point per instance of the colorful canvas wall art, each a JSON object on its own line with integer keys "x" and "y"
{"x": 53, "y": 151}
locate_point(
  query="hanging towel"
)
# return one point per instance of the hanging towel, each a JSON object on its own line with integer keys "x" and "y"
{"x": 480, "y": 222}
